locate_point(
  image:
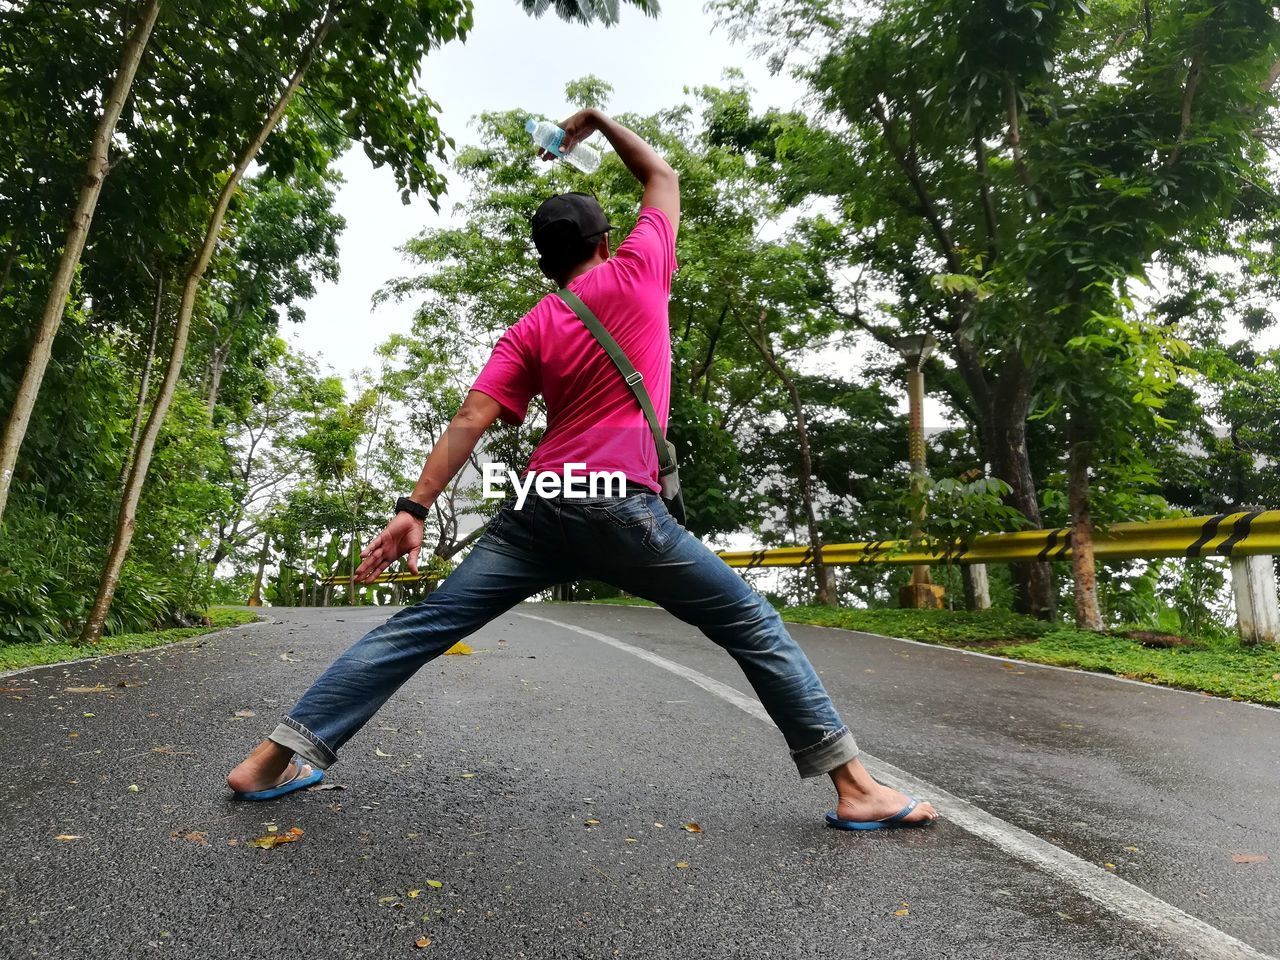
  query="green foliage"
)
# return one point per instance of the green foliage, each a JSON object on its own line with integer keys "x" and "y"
{"x": 1214, "y": 665}
{"x": 15, "y": 656}
{"x": 956, "y": 510}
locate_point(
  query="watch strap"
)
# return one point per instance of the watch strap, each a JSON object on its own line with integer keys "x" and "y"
{"x": 411, "y": 507}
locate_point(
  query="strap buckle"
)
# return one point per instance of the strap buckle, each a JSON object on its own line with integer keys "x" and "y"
{"x": 634, "y": 377}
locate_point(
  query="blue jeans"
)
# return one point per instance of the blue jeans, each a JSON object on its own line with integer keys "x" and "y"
{"x": 631, "y": 542}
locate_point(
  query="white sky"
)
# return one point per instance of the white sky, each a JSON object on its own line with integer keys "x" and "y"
{"x": 509, "y": 60}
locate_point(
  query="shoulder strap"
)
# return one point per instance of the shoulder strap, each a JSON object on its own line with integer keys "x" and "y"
{"x": 633, "y": 377}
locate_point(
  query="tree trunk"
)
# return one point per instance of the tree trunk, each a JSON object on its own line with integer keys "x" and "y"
{"x": 126, "y": 520}
{"x": 825, "y": 594}
{"x": 9, "y": 257}
{"x": 1088, "y": 616}
{"x": 255, "y": 598}
{"x": 78, "y": 231}
{"x": 215, "y": 376}
{"x": 217, "y": 364}
{"x": 144, "y": 382}
{"x": 445, "y": 552}
{"x": 1006, "y": 444}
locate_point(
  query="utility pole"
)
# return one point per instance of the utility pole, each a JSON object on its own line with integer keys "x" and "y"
{"x": 921, "y": 593}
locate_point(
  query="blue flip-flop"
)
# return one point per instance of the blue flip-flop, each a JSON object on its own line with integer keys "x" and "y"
{"x": 298, "y": 782}
{"x": 897, "y": 820}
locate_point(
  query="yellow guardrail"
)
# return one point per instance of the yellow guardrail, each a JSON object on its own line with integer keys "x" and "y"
{"x": 1224, "y": 535}
{"x": 402, "y": 577}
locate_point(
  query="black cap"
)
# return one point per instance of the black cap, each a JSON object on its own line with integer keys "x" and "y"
{"x": 567, "y": 217}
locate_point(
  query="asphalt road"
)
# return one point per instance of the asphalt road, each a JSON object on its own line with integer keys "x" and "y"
{"x": 1090, "y": 818}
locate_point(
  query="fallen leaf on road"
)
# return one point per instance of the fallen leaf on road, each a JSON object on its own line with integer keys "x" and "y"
{"x": 1109, "y": 866}
{"x": 288, "y": 659}
{"x": 245, "y": 713}
{"x": 272, "y": 840}
{"x": 1249, "y": 857}
{"x": 691, "y": 827}
{"x": 326, "y": 786}
{"x": 377, "y": 752}
{"x": 434, "y": 884}
{"x": 134, "y": 788}
{"x": 99, "y": 688}
{"x": 682, "y": 864}
{"x": 468, "y": 776}
{"x": 422, "y": 943}
{"x": 592, "y": 822}
{"x": 1133, "y": 849}
{"x": 631, "y": 840}
{"x": 383, "y": 901}
{"x": 68, "y": 836}
{"x": 459, "y": 649}
{"x": 905, "y": 911}
{"x": 198, "y": 837}
{"x": 414, "y": 894}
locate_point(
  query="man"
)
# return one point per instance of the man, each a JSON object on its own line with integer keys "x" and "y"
{"x": 630, "y": 541}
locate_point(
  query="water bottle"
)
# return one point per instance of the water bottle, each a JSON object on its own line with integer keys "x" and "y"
{"x": 549, "y": 137}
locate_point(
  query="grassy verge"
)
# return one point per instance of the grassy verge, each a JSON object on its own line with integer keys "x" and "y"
{"x": 16, "y": 655}
{"x": 1219, "y": 666}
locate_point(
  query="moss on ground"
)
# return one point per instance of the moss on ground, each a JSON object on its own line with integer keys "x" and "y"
{"x": 17, "y": 655}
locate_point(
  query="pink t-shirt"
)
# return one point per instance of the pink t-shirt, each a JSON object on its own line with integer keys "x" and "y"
{"x": 592, "y": 416}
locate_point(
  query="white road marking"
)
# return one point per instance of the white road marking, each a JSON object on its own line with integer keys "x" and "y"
{"x": 942, "y": 648}
{"x": 1115, "y": 894}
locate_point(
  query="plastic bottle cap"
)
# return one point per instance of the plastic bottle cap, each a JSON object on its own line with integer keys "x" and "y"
{"x": 530, "y": 125}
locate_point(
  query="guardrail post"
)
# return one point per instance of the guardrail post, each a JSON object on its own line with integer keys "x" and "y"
{"x": 977, "y": 592}
{"x": 1253, "y": 581}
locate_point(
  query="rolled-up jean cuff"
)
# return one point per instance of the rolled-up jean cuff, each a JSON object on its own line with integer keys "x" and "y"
{"x": 833, "y": 750}
{"x": 294, "y": 736}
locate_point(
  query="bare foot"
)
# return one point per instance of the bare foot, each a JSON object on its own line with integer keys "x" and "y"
{"x": 266, "y": 766}
{"x": 862, "y": 798}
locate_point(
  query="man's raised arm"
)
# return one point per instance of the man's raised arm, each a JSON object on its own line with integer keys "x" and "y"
{"x": 403, "y": 535}
{"x": 661, "y": 183}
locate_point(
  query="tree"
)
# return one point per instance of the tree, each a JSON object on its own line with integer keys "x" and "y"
{"x": 282, "y": 237}
{"x": 366, "y": 58}
{"x": 142, "y": 461}
{"x": 1002, "y": 170}
{"x": 81, "y": 218}
{"x": 586, "y": 11}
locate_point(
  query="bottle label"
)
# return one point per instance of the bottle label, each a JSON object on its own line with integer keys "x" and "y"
{"x": 554, "y": 141}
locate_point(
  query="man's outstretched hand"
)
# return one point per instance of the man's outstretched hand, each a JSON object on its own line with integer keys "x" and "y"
{"x": 402, "y": 535}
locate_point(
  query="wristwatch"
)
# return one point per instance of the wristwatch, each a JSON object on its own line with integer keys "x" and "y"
{"x": 411, "y": 507}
